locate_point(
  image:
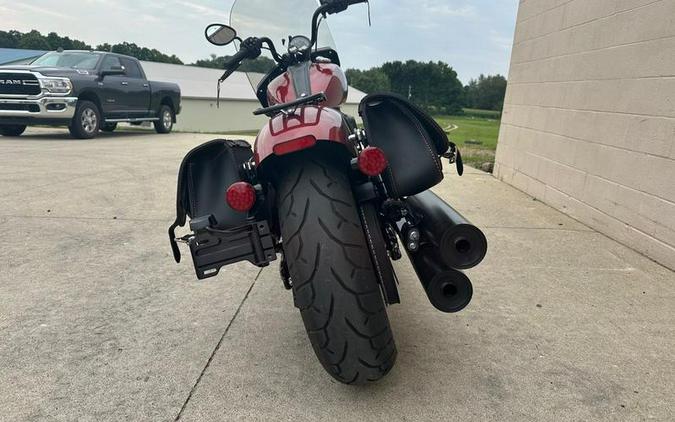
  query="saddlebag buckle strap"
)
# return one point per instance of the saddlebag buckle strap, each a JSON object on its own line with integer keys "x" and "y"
{"x": 455, "y": 157}
{"x": 174, "y": 243}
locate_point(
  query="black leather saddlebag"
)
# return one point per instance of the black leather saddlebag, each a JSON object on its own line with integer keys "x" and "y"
{"x": 411, "y": 139}
{"x": 204, "y": 177}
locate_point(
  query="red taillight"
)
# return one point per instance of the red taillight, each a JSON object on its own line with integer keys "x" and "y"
{"x": 372, "y": 161}
{"x": 241, "y": 196}
{"x": 295, "y": 145}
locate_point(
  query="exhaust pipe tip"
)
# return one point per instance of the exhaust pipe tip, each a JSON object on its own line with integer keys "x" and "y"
{"x": 450, "y": 291}
{"x": 461, "y": 244}
{"x": 464, "y": 247}
{"x": 447, "y": 289}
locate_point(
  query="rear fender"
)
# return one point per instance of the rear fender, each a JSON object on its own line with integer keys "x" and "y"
{"x": 311, "y": 124}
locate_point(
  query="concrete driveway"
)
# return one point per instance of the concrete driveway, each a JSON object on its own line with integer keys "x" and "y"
{"x": 98, "y": 323}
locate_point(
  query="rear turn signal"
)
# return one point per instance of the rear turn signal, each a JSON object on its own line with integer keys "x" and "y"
{"x": 372, "y": 161}
{"x": 241, "y": 196}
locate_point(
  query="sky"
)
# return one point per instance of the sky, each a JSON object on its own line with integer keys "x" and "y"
{"x": 473, "y": 36}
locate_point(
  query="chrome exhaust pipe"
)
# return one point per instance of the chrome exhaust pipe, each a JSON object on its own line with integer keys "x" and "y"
{"x": 461, "y": 244}
{"x": 448, "y": 290}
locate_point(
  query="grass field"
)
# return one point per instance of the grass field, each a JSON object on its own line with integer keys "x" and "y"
{"x": 476, "y": 137}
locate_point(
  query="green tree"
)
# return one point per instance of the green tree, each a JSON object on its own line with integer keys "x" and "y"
{"x": 486, "y": 92}
{"x": 369, "y": 81}
{"x": 104, "y": 47}
{"x": 9, "y": 39}
{"x": 77, "y": 44}
{"x": 214, "y": 62}
{"x": 141, "y": 53}
{"x": 56, "y": 41}
{"x": 432, "y": 85}
{"x": 33, "y": 41}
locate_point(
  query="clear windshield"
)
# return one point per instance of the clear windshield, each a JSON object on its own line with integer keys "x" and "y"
{"x": 277, "y": 20}
{"x": 74, "y": 60}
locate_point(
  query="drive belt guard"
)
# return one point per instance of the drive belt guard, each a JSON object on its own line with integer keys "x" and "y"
{"x": 213, "y": 249}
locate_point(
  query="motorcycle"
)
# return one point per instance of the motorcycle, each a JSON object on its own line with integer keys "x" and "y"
{"x": 328, "y": 198}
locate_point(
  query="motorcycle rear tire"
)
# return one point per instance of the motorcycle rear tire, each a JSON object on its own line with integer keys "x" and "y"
{"x": 334, "y": 283}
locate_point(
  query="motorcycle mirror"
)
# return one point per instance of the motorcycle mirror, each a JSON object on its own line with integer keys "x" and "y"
{"x": 219, "y": 34}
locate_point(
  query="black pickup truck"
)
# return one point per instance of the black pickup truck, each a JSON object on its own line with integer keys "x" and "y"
{"x": 87, "y": 91}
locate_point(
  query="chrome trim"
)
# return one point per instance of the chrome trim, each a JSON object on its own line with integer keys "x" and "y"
{"x": 67, "y": 113}
{"x": 42, "y": 94}
{"x": 42, "y": 80}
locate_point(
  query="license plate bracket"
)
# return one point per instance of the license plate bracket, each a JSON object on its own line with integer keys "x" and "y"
{"x": 213, "y": 249}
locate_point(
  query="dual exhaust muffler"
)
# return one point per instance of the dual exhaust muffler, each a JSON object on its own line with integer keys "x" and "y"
{"x": 448, "y": 290}
{"x": 449, "y": 243}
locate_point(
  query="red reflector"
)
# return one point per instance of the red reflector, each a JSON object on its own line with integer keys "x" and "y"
{"x": 241, "y": 196}
{"x": 295, "y": 145}
{"x": 372, "y": 161}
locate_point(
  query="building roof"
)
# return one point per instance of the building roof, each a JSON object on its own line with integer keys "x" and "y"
{"x": 201, "y": 82}
{"x": 18, "y": 56}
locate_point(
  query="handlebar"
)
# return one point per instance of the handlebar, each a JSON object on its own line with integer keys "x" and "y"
{"x": 273, "y": 50}
{"x": 249, "y": 49}
{"x": 236, "y": 60}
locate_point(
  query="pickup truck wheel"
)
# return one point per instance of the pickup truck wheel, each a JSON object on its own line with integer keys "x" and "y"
{"x": 165, "y": 122}
{"x": 109, "y": 127}
{"x": 86, "y": 122}
{"x": 12, "y": 130}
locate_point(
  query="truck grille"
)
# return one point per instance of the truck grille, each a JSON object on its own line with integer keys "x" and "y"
{"x": 19, "y": 84}
{"x": 32, "y": 108}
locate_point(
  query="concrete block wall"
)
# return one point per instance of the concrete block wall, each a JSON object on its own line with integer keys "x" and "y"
{"x": 589, "y": 118}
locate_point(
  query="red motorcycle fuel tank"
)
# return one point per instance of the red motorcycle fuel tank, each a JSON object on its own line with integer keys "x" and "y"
{"x": 302, "y": 129}
{"x": 323, "y": 77}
